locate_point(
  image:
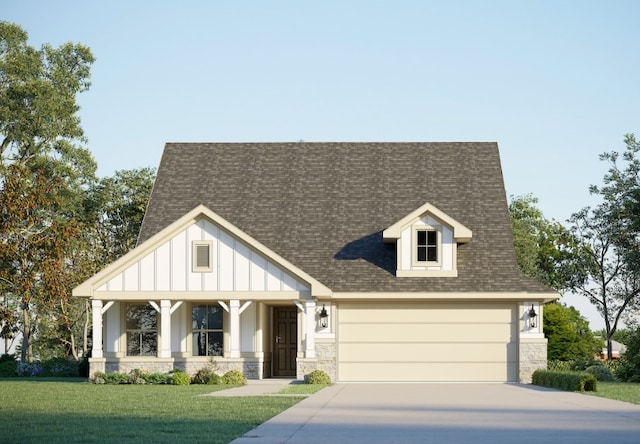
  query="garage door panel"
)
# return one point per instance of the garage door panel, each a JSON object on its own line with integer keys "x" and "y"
{"x": 429, "y": 352}
{"x": 427, "y": 342}
{"x": 432, "y": 372}
{"x": 424, "y": 332}
{"x": 381, "y": 313}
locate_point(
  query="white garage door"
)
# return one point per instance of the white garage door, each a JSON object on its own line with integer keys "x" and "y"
{"x": 427, "y": 342}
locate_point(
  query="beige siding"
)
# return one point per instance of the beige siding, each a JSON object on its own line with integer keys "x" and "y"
{"x": 427, "y": 342}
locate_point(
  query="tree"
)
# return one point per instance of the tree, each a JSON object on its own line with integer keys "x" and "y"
{"x": 610, "y": 233}
{"x": 544, "y": 248}
{"x": 568, "y": 334}
{"x": 43, "y": 172}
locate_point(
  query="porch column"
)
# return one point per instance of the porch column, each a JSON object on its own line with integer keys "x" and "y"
{"x": 96, "y": 312}
{"x": 165, "y": 329}
{"x": 234, "y": 328}
{"x": 309, "y": 326}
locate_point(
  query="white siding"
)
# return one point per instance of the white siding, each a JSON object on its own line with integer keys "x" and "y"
{"x": 236, "y": 267}
{"x": 405, "y": 261}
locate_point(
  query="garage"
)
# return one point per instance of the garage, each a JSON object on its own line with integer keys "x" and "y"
{"x": 431, "y": 342}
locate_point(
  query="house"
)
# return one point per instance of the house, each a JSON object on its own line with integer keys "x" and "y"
{"x": 371, "y": 261}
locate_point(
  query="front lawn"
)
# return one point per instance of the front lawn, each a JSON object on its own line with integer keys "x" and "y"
{"x": 621, "y": 391}
{"x": 63, "y": 411}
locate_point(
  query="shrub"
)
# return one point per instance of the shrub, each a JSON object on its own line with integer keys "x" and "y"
{"x": 179, "y": 377}
{"x": 628, "y": 369}
{"x": 601, "y": 372}
{"x": 8, "y": 369}
{"x": 7, "y": 358}
{"x": 136, "y": 376}
{"x": 234, "y": 377}
{"x": 98, "y": 378}
{"x": 116, "y": 378}
{"x": 556, "y": 364}
{"x": 60, "y": 367}
{"x": 206, "y": 375}
{"x": 29, "y": 369}
{"x": 157, "y": 378}
{"x": 569, "y": 381}
{"x": 317, "y": 377}
{"x": 83, "y": 367}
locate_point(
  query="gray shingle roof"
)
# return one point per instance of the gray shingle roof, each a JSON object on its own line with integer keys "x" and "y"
{"x": 323, "y": 206}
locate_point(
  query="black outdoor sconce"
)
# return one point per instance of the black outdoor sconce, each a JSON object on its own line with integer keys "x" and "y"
{"x": 324, "y": 317}
{"x": 532, "y": 317}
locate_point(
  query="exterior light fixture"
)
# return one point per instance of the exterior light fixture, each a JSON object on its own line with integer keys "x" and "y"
{"x": 324, "y": 317}
{"x": 532, "y": 317}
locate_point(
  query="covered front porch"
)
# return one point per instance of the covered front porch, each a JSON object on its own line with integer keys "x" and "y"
{"x": 263, "y": 339}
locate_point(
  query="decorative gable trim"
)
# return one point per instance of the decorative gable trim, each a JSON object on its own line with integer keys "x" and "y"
{"x": 461, "y": 234}
{"x": 91, "y": 285}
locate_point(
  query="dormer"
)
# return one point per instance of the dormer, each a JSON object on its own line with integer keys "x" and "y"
{"x": 426, "y": 241}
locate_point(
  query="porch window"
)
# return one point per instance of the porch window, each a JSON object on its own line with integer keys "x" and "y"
{"x": 142, "y": 330}
{"x": 207, "y": 330}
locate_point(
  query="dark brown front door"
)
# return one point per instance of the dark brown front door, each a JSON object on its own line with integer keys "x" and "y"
{"x": 285, "y": 347}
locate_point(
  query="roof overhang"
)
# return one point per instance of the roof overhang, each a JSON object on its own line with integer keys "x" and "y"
{"x": 461, "y": 234}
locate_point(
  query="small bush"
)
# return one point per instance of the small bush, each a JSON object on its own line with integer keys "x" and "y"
{"x": 601, "y": 372}
{"x": 157, "y": 378}
{"x": 8, "y": 369}
{"x": 137, "y": 376}
{"x": 318, "y": 377}
{"x": 29, "y": 369}
{"x": 569, "y": 381}
{"x": 7, "y": 358}
{"x": 234, "y": 377}
{"x": 206, "y": 375}
{"x": 60, "y": 367}
{"x": 179, "y": 377}
{"x": 556, "y": 364}
{"x": 98, "y": 378}
{"x": 116, "y": 378}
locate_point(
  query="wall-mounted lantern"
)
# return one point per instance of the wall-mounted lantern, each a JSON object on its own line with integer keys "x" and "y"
{"x": 532, "y": 317}
{"x": 324, "y": 317}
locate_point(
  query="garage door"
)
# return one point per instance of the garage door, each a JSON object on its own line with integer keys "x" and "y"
{"x": 427, "y": 342}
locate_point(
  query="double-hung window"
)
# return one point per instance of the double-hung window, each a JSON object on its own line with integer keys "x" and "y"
{"x": 426, "y": 246}
{"x": 142, "y": 330}
{"x": 207, "y": 330}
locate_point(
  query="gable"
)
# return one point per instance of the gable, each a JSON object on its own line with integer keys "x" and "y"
{"x": 165, "y": 263}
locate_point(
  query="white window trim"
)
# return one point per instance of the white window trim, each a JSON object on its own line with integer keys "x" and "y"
{"x": 414, "y": 245}
{"x": 194, "y": 258}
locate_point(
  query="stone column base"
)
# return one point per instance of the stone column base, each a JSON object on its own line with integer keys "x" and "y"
{"x": 533, "y": 356}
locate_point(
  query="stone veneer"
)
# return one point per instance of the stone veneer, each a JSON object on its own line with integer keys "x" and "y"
{"x": 533, "y": 356}
{"x": 156, "y": 365}
{"x": 325, "y": 360}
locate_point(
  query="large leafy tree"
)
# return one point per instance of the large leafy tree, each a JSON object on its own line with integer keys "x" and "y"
{"x": 609, "y": 273}
{"x": 568, "y": 334}
{"x": 44, "y": 170}
{"x": 544, "y": 248}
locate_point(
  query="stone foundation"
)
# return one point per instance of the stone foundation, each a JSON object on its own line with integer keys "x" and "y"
{"x": 325, "y": 360}
{"x": 250, "y": 368}
{"x": 533, "y": 356}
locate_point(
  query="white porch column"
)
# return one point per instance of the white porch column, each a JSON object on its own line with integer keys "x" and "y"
{"x": 234, "y": 328}
{"x": 96, "y": 311}
{"x": 165, "y": 329}
{"x": 309, "y": 326}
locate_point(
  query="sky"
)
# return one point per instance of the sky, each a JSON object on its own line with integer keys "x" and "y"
{"x": 555, "y": 84}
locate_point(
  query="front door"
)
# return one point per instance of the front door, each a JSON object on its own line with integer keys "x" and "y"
{"x": 285, "y": 347}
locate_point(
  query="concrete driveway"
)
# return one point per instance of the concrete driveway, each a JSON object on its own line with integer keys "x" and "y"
{"x": 450, "y": 413}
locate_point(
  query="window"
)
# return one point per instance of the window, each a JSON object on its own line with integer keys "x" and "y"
{"x": 142, "y": 330}
{"x": 202, "y": 256}
{"x": 206, "y": 322}
{"x": 427, "y": 246}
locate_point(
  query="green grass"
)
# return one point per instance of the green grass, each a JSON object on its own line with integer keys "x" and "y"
{"x": 301, "y": 389}
{"x": 70, "y": 410}
{"x": 621, "y": 391}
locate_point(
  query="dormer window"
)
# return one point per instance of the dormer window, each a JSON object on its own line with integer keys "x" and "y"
{"x": 427, "y": 246}
{"x": 427, "y": 242}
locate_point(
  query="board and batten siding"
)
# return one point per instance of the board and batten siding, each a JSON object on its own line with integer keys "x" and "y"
{"x": 236, "y": 267}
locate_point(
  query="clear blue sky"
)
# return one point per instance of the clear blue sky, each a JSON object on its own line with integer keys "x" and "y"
{"x": 554, "y": 83}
